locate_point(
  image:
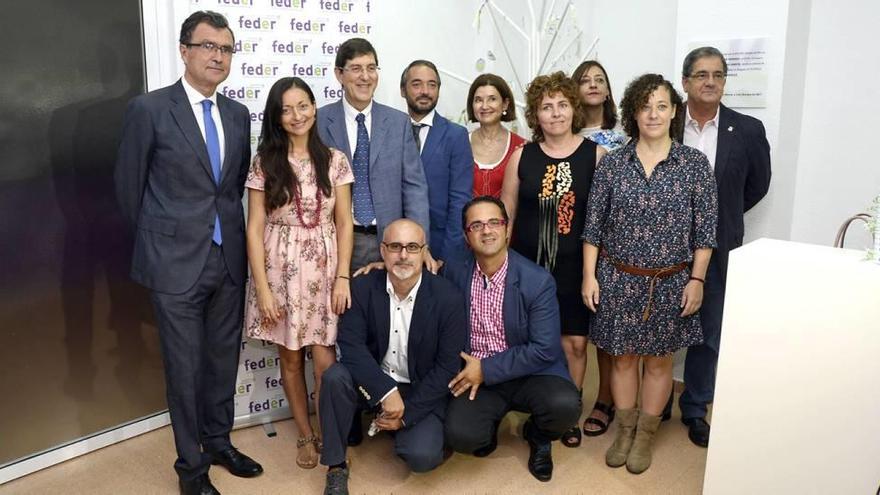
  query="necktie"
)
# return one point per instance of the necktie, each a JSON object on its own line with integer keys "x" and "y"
{"x": 362, "y": 199}
{"x": 417, "y": 134}
{"x": 213, "y": 142}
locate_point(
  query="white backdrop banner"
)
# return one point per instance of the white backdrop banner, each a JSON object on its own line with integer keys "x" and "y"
{"x": 275, "y": 39}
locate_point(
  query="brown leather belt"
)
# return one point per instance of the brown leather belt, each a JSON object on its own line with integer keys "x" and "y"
{"x": 654, "y": 273}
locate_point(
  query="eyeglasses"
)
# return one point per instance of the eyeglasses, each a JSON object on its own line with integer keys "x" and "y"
{"x": 211, "y": 47}
{"x": 493, "y": 223}
{"x": 704, "y": 76}
{"x": 301, "y": 109}
{"x": 599, "y": 81}
{"x": 396, "y": 247}
{"x": 357, "y": 70}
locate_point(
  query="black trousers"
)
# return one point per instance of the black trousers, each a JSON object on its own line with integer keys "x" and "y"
{"x": 553, "y": 402}
{"x": 200, "y": 335}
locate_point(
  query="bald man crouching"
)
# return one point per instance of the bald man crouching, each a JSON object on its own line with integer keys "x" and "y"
{"x": 399, "y": 347}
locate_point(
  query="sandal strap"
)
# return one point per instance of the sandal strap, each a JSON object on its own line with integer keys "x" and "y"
{"x": 607, "y": 409}
{"x": 598, "y": 422}
{"x": 302, "y": 441}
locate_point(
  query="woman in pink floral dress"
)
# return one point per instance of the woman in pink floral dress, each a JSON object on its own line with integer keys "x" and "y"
{"x": 299, "y": 237}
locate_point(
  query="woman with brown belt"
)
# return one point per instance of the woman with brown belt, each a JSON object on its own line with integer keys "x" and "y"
{"x": 648, "y": 237}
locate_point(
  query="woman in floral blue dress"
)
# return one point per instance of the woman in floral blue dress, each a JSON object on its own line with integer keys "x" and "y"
{"x": 648, "y": 237}
{"x": 600, "y": 112}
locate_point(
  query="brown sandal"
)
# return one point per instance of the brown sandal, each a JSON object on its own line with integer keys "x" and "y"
{"x": 304, "y": 459}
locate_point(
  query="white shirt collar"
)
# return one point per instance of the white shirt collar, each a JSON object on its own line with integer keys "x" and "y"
{"x": 689, "y": 121}
{"x": 193, "y": 95}
{"x": 427, "y": 120}
{"x": 351, "y": 112}
{"x": 411, "y": 297}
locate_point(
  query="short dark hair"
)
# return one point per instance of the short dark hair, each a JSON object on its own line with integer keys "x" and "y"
{"x": 553, "y": 84}
{"x": 482, "y": 199}
{"x": 417, "y": 63}
{"x": 698, "y": 53}
{"x": 609, "y": 108}
{"x": 637, "y": 95}
{"x": 354, "y": 47}
{"x": 209, "y": 17}
{"x": 503, "y": 89}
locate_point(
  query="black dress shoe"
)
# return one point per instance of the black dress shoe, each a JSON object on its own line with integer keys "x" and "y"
{"x": 356, "y": 433}
{"x": 200, "y": 485}
{"x": 237, "y": 463}
{"x": 540, "y": 458}
{"x": 698, "y": 431}
{"x": 336, "y": 482}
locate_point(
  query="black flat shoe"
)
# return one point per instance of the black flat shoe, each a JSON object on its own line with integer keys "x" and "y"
{"x": 237, "y": 463}
{"x": 604, "y": 408}
{"x": 572, "y": 437}
{"x": 540, "y": 458}
{"x": 200, "y": 485}
{"x": 698, "y": 431}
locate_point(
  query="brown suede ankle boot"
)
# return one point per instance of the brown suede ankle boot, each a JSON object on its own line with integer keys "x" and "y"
{"x": 639, "y": 458}
{"x": 626, "y": 419}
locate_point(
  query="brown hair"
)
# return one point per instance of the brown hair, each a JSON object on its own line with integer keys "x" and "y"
{"x": 503, "y": 89}
{"x": 609, "y": 108}
{"x": 637, "y": 95}
{"x": 555, "y": 83}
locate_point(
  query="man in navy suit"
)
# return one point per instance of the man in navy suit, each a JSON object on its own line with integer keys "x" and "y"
{"x": 180, "y": 175}
{"x": 513, "y": 356}
{"x": 446, "y": 156}
{"x": 399, "y": 345}
{"x": 737, "y": 148}
{"x": 389, "y": 182}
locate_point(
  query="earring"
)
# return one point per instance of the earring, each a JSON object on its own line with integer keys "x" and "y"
{"x": 504, "y": 112}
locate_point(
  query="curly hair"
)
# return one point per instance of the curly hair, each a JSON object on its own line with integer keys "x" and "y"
{"x": 551, "y": 85}
{"x": 609, "y": 108}
{"x": 503, "y": 89}
{"x": 637, "y": 94}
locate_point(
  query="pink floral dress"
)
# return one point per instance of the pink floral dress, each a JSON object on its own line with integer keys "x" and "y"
{"x": 300, "y": 261}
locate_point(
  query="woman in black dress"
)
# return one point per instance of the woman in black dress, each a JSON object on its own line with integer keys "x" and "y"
{"x": 545, "y": 191}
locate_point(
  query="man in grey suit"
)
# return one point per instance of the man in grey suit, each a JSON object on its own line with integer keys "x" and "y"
{"x": 389, "y": 182}
{"x": 180, "y": 175}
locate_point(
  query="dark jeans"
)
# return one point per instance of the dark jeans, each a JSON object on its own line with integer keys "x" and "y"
{"x": 553, "y": 402}
{"x": 419, "y": 445}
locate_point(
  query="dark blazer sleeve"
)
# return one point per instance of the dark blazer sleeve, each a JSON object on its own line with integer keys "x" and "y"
{"x": 133, "y": 158}
{"x": 758, "y": 178}
{"x": 543, "y": 346}
{"x": 461, "y": 186}
{"x": 432, "y": 390}
{"x": 352, "y": 339}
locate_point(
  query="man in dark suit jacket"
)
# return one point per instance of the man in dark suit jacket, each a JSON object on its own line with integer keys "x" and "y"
{"x": 737, "y": 148}
{"x": 399, "y": 345}
{"x": 513, "y": 358}
{"x": 446, "y": 156}
{"x": 389, "y": 182}
{"x": 180, "y": 175}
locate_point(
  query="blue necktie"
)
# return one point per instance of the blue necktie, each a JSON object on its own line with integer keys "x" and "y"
{"x": 363, "y": 200}
{"x": 213, "y": 142}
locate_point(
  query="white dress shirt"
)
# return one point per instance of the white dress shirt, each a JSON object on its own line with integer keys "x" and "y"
{"x": 195, "y": 101}
{"x": 351, "y": 125}
{"x": 396, "y": 363}
{"x": 427, "y": 122}
{"x": 705, "y": 139}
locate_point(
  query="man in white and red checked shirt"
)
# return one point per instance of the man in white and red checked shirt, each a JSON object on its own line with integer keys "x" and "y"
{"x": 513, "y": 359}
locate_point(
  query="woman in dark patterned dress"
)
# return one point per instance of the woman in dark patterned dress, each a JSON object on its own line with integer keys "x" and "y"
{"x": 545, "y": 191}
{"x": 648, "y": 237}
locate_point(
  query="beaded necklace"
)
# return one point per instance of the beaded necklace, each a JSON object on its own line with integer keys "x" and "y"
{"x": 299, "y": 209}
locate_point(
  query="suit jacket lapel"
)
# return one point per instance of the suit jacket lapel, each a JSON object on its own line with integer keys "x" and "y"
{"x": 511, "y": 299}
{"x": 229, "y": 131}
{"x": 726, "y": 135}
{"x": 336, "y": 128}
{"x": 422, "y": 314}
{"x": 378, "y": 129}
{"x": 381, "y": 315}
{"x": 182, "y": 112}
{"x": 435, "y": 136}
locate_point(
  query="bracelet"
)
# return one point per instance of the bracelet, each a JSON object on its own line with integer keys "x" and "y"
{"x": 698, "y": 279}
{"x": 343, "y": 276}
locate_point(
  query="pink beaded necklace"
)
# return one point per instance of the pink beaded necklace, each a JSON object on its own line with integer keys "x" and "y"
{"x": 299, "y": 209}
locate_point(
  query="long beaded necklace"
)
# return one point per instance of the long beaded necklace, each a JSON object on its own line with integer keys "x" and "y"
{"x": 299, "y": 209}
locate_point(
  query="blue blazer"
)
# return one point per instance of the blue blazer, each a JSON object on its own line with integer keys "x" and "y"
{"x": 448, "y": 163}
{"x": 531, "y": 320}
{"x": 166, "y": 189}
{"x": 397, "y": 180}
{"x": 436, "y": 337}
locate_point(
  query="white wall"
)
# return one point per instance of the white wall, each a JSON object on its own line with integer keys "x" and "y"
{"x": 838, "y": 171}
